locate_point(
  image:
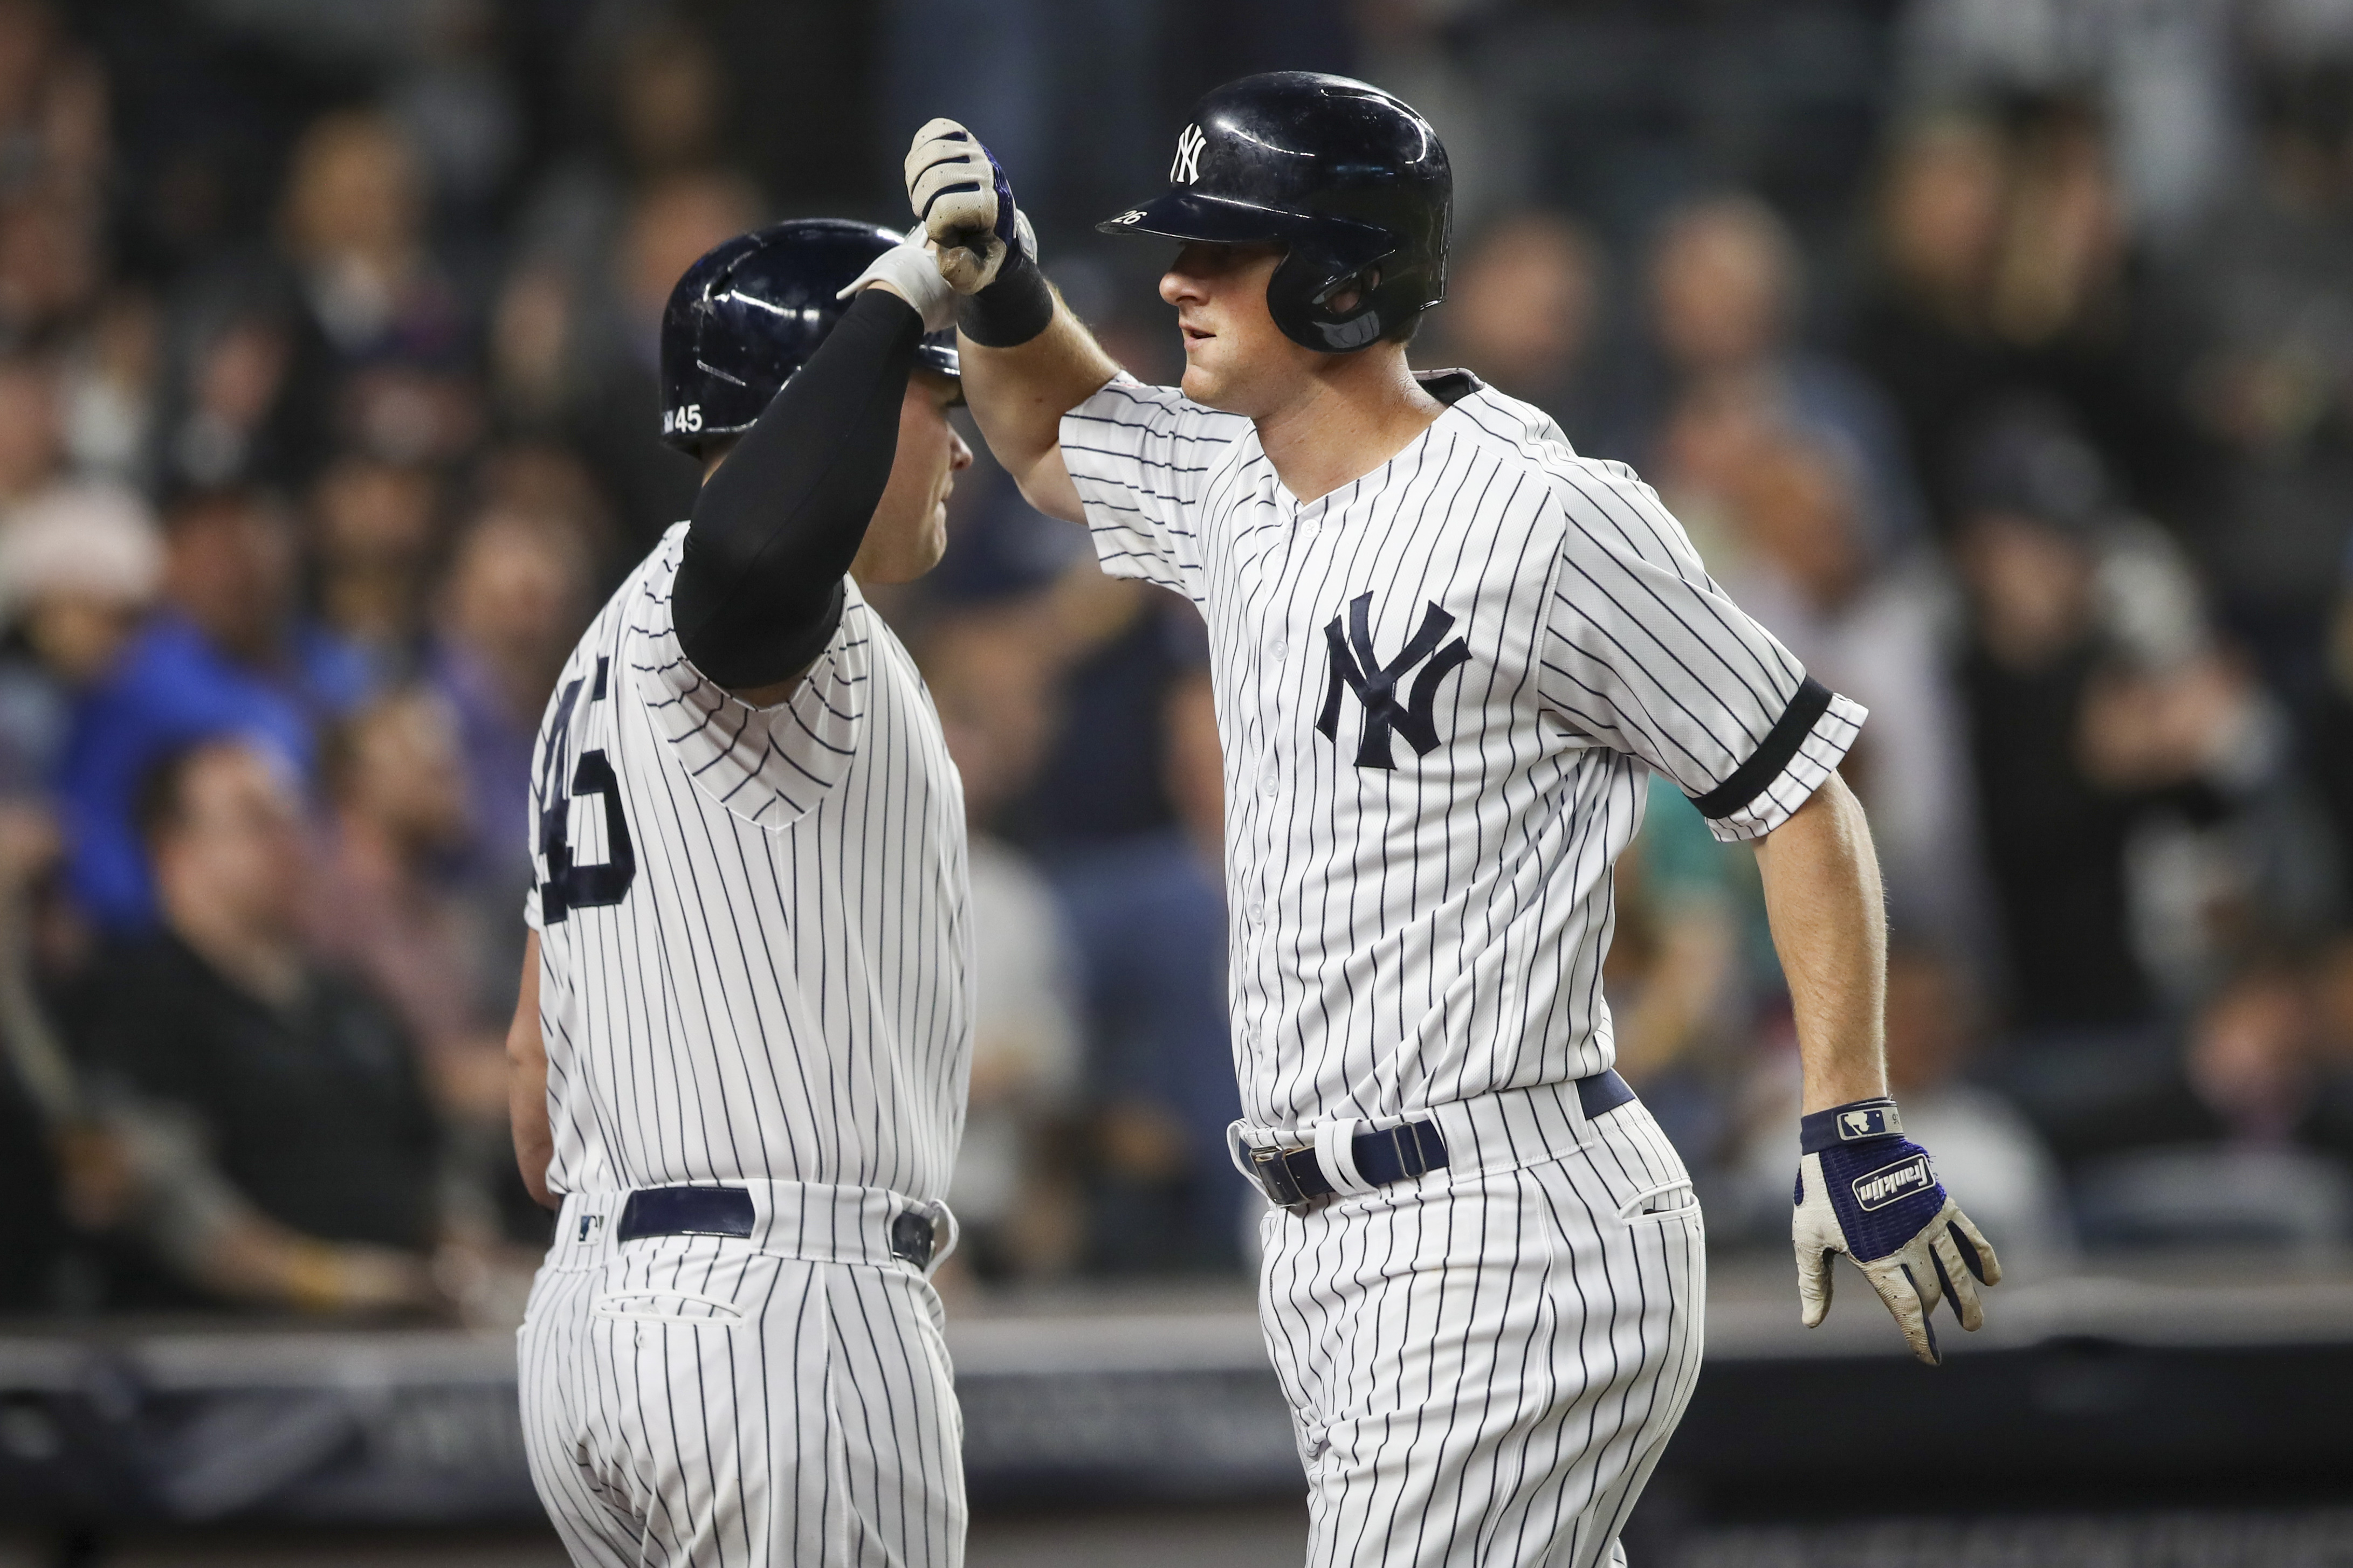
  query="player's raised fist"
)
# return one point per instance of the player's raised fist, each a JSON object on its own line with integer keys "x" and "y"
{"x": 964, "y": 203}
{"x": 1866, "y": 1190}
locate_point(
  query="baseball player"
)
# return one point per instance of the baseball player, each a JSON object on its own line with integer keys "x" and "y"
{"x": 1447, "y": 652}
{"x": 740, "y": 1051}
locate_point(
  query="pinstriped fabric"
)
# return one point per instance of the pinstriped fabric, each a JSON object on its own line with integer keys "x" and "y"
{"x": 755, "y": 968}
{"x": 699, "y": 1404}
{"x": 1432, "y": 932}
{"x": 785, "y": 990}
{"x": 1484, "y": 1371}
{"x": 1483, "y": 1363}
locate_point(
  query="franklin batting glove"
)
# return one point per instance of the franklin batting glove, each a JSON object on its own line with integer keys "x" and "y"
{"x": 966, "y": 204}
{"x": 1867, "y": 1191}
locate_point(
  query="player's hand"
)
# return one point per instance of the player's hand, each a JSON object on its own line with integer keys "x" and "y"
{"x": 1867, "y": 1191}
{"x": 911, "y": 271}
{"x": 966, "y": 204}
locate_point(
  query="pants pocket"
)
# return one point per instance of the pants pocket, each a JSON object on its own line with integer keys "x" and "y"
{"x": 653, "y": 1305}
{"x": 1661, "y": 1203}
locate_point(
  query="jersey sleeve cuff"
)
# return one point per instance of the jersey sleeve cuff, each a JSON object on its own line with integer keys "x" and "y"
{"x": 1812, "y": 737}
{"x": 1129, "y": 541}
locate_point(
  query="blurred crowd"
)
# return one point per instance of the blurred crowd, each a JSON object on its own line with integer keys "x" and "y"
{"x": 1998, "y": 357}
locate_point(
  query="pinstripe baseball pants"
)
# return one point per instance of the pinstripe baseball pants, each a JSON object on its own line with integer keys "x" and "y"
{"x": 703, "y": 1401}
{"x": 1484, "y": 1364}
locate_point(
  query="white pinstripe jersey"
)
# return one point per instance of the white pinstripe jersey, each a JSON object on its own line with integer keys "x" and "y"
{"x": 1440, "y": 691}
{"x": 754, "y": 942}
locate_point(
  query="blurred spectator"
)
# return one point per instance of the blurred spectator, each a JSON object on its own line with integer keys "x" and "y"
{"x": 229, "y": 654}
{"x": 2098, "y": 711}
{"x": 1149, "y": 915}
{"x": 224, "y": 413}
{"x": 2005, "y": 268}
{"x": 596, "y": 364}
{"x": 1015, "y": 1191}
{"x": 388, "y": 906}
{"x": 2266, "y": 299}
{"x": 301, "y": 1086}
{"x": 1922, "y": 330}
{"x": 384, "y": 356}
{"x": 376, "y": 530}
{"x": 32, "y": 437}
{"x": 2230, "y": 1152}
{"x": 385, "y": 908}
{"x": 1522, "y": 308}
{"x": 515, "y": 599}
{"x": 1797, "y": 557}
{"x": 657, "y": 87}
{"x": 1726, "y": 297}
{"x": 112, "y": 379}
{"x": 2161, "y": 73}
{"x": 78, "y": 567}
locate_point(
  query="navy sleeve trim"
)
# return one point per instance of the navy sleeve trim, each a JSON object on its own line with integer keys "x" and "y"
{"x": 1751, "y": 778}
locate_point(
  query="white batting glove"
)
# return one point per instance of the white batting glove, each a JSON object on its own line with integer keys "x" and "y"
{"x": 1867, "y": 1191}
{"x": 965, "y": 203}
{"x": 911, "y": 270}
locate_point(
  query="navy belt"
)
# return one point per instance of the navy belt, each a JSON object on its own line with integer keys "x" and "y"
{"x": 1292, "y": 1178}
{"x": 727, "y": 1211}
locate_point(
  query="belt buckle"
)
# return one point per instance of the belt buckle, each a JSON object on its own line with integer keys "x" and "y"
{"x": 1271, "y": 1167}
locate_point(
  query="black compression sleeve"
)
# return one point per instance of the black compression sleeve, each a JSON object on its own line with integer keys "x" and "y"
{"x": 759, "y": 586}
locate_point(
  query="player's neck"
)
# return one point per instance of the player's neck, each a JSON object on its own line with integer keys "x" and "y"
{"x": 1353, "y": 414}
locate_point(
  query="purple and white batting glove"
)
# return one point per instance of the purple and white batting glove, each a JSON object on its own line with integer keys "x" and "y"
{"x": 965, "y": 203}
{"x": 1867, "y": 1191}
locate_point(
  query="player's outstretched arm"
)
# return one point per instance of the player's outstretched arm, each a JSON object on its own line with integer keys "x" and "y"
{"x": 1863, "y": 1188}
{"x": 775, "y": 527}
{"x": 534, "y": 1141}
{"x": 1027, "y": 360}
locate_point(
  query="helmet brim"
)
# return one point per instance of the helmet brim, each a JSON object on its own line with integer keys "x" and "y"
{"x": 1190, "y": 214}
{"x": 937, "y": 351}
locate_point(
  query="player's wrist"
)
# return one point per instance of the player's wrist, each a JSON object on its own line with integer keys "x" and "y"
{"x": 1844, "y": 1126}
{"x": 1013, "y": 309}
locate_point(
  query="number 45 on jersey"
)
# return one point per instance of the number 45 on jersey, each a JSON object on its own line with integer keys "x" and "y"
{"x": 571, "y": 884}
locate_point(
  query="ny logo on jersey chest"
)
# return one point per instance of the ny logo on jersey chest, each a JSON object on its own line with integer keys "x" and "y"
{"x": 1357, "y": 668}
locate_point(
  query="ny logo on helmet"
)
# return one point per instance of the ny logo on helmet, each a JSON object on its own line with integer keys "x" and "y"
{"x": 1356, "y": 666}
{"x": 1187, "y": 166}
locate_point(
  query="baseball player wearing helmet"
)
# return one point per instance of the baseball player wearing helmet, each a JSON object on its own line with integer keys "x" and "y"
{"x": 1447, "y": 652}
{"x": 740, "y": 1051}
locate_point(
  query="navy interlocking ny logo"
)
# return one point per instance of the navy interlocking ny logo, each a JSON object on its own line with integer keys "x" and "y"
{"x": 1356, "y": 666}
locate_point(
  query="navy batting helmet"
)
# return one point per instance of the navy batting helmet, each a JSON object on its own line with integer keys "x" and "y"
{"x": 751, "y": 312}
{"x": 1348, "y": 178}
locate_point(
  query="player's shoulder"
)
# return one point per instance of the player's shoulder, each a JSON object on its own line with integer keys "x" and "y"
{"x": 638, "y": 610}
{"x": 1524, "y": 440}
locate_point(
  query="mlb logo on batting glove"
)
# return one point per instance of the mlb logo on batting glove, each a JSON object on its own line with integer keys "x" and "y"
{"x": 1866, "y": 1190}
